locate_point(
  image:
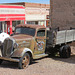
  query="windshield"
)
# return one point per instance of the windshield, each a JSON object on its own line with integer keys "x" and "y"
{"x": 28, "y": 31}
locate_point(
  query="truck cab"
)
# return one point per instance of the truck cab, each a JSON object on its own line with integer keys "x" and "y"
{"x": 27, "y": 43}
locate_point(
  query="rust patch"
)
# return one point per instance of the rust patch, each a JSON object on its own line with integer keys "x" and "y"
{"x": 22, "y": 36}
{"x": 31, "y": 26}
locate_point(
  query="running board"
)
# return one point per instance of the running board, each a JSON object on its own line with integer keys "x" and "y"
{"x": 39, "y": 56}
{"x": 9, "y": 59}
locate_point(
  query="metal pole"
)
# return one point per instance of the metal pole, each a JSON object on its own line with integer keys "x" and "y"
{"x": 10, "y": 27}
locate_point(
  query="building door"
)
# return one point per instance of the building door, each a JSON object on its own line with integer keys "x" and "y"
{"x": 3, "y": 27}
{"x": 0, "y": 27}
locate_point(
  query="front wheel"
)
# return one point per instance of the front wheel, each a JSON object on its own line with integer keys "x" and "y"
{"x": 24, "y": 61}
{"x": 65, "y": 51}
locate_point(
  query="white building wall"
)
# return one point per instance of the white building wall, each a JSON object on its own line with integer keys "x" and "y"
{"x": 35, "y": 17}
{"x": 36, "y": 14}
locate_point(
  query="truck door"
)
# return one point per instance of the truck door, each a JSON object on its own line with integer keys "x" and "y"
{"x": 40, "y": 42}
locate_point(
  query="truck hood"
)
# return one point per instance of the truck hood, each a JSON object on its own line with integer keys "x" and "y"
{"x": 22, "y": 37}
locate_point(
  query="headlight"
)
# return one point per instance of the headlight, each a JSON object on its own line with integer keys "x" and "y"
{"x": 15, "y": 45}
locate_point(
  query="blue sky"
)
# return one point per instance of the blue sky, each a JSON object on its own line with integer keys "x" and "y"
{"x": 32, "y": 1}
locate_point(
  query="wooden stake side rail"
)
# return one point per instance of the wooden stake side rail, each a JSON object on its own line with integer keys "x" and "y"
{"x": 65, "y": 36}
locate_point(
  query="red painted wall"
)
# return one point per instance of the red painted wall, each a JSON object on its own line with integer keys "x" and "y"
{"x": 11, "y": 13}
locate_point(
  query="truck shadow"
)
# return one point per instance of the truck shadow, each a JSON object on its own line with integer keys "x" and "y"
{"x": 67, "y": 60}
{"x": 10, "y": 65}
{"x": 13, "y": 65}
{"x": 57, "y": 58}
{"x": 70, "y": 60}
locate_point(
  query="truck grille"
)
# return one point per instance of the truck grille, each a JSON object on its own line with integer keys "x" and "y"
{"x": 7, "y": 47}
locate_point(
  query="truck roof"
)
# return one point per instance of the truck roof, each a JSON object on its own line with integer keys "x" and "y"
{"x": 31, "y": 26}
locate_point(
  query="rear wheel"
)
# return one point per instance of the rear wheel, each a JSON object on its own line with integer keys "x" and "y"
{"x": 65, "y": 51}
{"x": 24, "y": 61}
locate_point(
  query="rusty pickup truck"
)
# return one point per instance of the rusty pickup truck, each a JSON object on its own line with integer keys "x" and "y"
{"x": 35, "y": 41}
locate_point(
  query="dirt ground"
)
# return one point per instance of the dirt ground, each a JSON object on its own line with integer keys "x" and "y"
{"x": 43, "y": 66}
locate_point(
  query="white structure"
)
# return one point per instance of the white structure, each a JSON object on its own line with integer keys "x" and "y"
{"x": 37, "y": 13}
{"x": 3, "y": 36}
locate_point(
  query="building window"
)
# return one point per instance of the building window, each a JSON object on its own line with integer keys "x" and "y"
{"x": 14, "y": 23}
{"x": 42, "y": 23}
{"x": 32, "y": 22}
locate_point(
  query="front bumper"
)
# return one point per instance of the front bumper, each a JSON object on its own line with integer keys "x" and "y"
{"x": 9, "y": 59}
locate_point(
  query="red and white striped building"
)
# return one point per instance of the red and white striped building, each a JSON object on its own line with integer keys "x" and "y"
{"x": 10, "y": 16}
{"x": 35, "y": 13}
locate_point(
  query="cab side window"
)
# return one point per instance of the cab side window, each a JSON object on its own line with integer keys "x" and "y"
{"x": 41, "y": 33}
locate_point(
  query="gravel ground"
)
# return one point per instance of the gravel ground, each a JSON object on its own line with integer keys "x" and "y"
{"x": 43, "y": 66}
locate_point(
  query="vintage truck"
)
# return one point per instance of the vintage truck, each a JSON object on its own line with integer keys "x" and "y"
{"x": 35, "y": 41}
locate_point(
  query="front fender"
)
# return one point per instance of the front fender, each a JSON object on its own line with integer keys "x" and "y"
{"x": 21, "y": 52}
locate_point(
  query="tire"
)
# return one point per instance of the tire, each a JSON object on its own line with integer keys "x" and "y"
{"x": 24, "y": 61}
{"x": 65, "y": 51}
{"x": 1, "y": 61}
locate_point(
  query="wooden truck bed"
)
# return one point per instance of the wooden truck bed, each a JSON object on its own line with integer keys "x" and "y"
{"x": 60, "y": 37}
{"x": 65, "y": 36}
